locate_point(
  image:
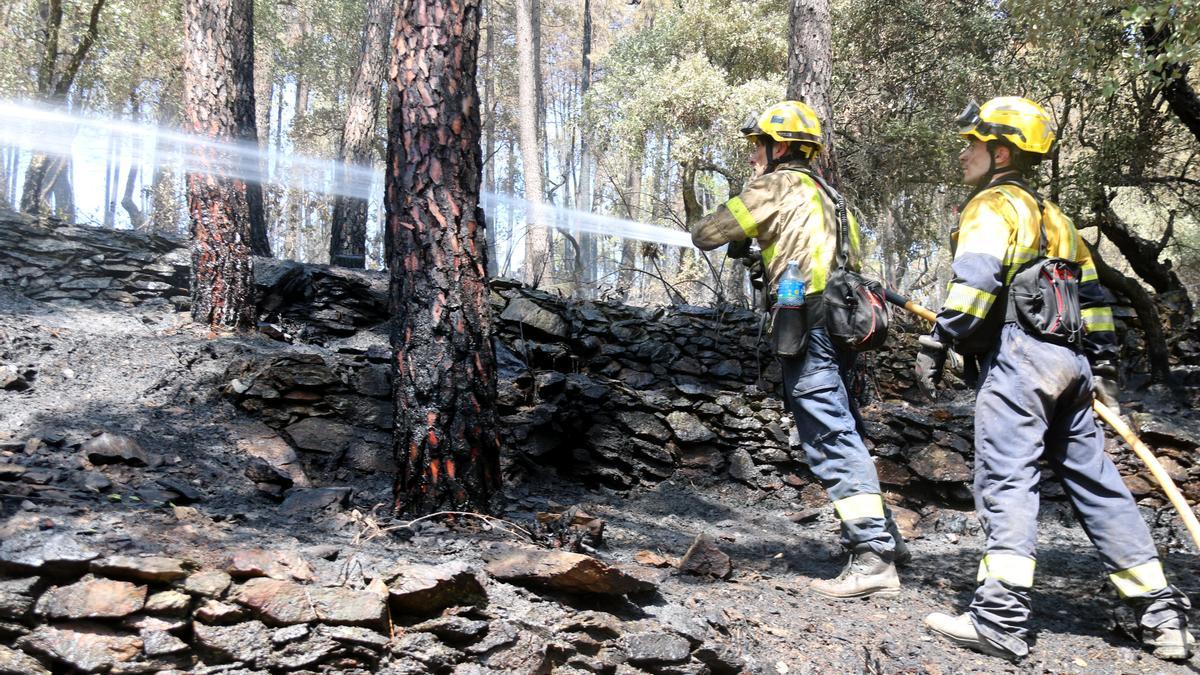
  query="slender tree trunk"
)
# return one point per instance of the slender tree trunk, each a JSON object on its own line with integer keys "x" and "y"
{"x": 61, "y": 188}
{"x": 164, "y": 211}
{"x": 110, "y": 178}
{"x": 583, "y": 195}
{"x": 810, "y": 72}
{"x": 633, "y": 210}
{"x": 348, "y": 239}
{"x": 136, "y": 218}
{"x": 444, "y": 383}
{"x": 489, "y": 129}
{"x": 537, "y": 235}
{"x": 218, "y": 88}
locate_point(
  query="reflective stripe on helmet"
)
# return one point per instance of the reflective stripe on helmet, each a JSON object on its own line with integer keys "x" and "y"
{"x": 1012, "y": 569}
{"x": 963, "y": 298}
{"x": 1140, "y": 580}
{"x": 742, "y": 215}
{"x": 859, "y": 506}
{"x": 1096, "y": 319}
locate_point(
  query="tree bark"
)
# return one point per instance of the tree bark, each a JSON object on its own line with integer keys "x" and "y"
{"x": 348, "y": 238}
{"x": 810, "y": 73}
{"x": 164, "y": 210}
{"x": 537, "y": 235}
{"x": 218, "y": 90}
{"x": 444, "y": 383}
{"x": 1176, "y": 90}
{"x": 583, "y": 196}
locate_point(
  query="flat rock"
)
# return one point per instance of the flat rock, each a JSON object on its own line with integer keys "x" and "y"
{"x": 423, "y": 590}
{"x": 88, "y": 647}
{"x": 355, "y": 635}
{"x": 644, "y": 424}
{"x": 56, "y": 554}
{"x": 260, "y": 470}
{"x": 1174, "y": 430}
{"x": 742, "y": 467}
{"x": 312, "y": 500}
{"x": 282, "y": 565}
{"x": 150, "y": 568}
{"x": 454, "y": 629}
{"x": 936, "y": 463}
{"x": 92, "y": 599}
{"x": 217, "y": 612}
{"x": 282, "y": 603}
{"x": 208, "y": 583}
{"x": 16, "y": 597}
{"x": 11, "y": 471}
{"x": 13, "y": 662}
{"x": 110, "y": 448}
{"x": 565, "y": 571}
{"x": 162, "y": 643}
{"x": 703, "y": 558}
{"x": 318, "y": 434}
{"x": 656, "y": 648}
{"x": 245, "y": 642}
{"x": 532, "y": 315}
{"x": 688, "y": 428}
{"x": 170, "y": 603}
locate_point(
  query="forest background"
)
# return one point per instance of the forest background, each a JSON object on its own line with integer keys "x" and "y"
{"x": 631, "y": 110}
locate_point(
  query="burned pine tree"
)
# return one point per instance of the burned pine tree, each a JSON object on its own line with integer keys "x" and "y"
{"x": 444, "y": 385}
{"x": 218, "y": 76}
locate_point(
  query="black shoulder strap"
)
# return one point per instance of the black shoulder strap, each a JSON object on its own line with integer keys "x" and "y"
{"x": 842, "y": 253}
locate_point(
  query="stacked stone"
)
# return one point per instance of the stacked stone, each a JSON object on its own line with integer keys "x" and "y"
{"x": 66, "y": 607}
{"x": 55, "y": 261}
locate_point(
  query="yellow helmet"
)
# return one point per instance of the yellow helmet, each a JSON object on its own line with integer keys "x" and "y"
{"x": 786, "y": 122}
{"x": 1017, "y": 120}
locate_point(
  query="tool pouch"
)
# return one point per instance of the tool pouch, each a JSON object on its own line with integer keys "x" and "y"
{"x": 789, "y": 331}
{"x": 1043, "y": 299}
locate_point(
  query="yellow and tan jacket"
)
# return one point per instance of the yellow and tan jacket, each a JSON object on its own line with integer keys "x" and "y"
{"x": 791, "y": 217}
{"x": 998, "y": 233}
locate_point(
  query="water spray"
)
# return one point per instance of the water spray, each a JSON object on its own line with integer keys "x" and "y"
{"x": 87, "y": 137}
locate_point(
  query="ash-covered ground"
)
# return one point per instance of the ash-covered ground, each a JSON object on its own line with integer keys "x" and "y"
{"x": 148, "y": 374}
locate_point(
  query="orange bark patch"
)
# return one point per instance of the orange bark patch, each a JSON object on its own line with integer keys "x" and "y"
{"x": 434, "y": 471}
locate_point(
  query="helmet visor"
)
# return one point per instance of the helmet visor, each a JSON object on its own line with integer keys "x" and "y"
{"x": 750, "y": 126}
{"x": 968, "y": 119}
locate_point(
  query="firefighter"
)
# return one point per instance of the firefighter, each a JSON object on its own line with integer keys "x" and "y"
{"x": 1034, "y": 392}
{"x": 792, "y": 215}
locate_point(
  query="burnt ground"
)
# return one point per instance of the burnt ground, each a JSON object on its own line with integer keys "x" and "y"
{"x": 150, "y": 374}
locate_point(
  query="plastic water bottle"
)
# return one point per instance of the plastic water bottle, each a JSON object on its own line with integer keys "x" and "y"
{"x": 791, "y": 287}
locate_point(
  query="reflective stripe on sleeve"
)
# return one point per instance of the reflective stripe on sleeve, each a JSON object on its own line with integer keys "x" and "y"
{"x": 1140, "y": 580}
{"x": 1096, "y": 319}
{"x": 1012, "y": 569}
{"x": 742, "y": 215}
{"x": 859, "y": 506}
{"x": 1089, "y": 274}
{"x": 963, "y": 298}
{"x": 768, "y": 254}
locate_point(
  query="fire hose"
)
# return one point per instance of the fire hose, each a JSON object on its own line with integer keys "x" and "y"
{"x": 1118, "y": 425}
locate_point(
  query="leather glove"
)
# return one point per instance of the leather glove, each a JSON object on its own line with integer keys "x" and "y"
{"x": 754, "y": 267}
{"x": 1104, "y": 384}
{"x": 738, "y": 249}
{"x": 930, "y": 364}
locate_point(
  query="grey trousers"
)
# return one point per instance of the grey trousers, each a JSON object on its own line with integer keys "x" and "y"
{"x": 1035, "y": 402}
{"x": 817, "y": 397}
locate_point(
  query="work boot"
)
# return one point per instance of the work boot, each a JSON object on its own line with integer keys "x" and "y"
{"x": 1169, "y": 644}
{"x": 961, "y": 631}
{"x": 903, "y": 556}
{"x": 865, "y": 574}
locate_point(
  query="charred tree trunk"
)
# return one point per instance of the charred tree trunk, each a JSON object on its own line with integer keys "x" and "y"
{"x": 583, "y": 197}
{"x": 810, "y": 72}
{"x": 348, "y": 238}
{"x": 218, "y": 91}
{"x": 444, "y": 384}
{"x": 1142, "y": 254}
{"x": 1176, "y": 90}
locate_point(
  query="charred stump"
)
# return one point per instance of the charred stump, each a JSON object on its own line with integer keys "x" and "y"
{"x": 218, "y": 82}
{"x": 444, "y": 385}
